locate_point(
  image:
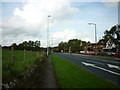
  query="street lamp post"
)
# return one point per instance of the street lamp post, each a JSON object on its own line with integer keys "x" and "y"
{"x": 48, "y": 51}
{"x": 95, "y": 31}
{"x": 95, "y": 34}
{"x": 118, "y": 37}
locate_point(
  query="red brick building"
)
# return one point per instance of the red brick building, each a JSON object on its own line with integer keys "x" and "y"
{"x": 96, "y": 47}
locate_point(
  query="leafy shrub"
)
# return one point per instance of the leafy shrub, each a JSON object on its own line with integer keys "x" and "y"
{"x": 102, "y": 54}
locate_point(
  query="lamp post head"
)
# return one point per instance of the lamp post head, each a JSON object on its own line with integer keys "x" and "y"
{"x": 91, "y": 23}
{"x": 49, "y": 15}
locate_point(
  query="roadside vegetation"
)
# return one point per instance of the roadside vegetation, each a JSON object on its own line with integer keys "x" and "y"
{"x": 16, "y": 62}
{"x": 69, "y": 75}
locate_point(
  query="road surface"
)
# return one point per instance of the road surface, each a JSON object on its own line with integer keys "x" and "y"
{"x": 108, "y": 68}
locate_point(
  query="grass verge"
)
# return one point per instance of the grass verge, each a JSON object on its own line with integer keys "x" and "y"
{"x": 22, "y": 62}
{"x": 70, "y": 75}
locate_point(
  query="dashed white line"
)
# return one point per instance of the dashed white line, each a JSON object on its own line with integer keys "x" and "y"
{"x": 95, "y": 62}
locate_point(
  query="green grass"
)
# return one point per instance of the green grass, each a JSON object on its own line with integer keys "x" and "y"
{"x": 18, "y": 69}
{"x": 70, "y": 75}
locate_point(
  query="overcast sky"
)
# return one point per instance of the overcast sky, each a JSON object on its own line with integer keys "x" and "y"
{"x": 69, "y": 20}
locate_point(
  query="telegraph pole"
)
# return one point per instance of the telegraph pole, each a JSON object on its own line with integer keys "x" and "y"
{"x": 48, "y": 47}
{"x": 118, "y": 30}
{"x": 118, "y": 37}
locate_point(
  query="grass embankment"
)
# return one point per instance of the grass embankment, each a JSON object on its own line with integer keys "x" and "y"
{"x": 70, "y": 75}
{"x": 22, "y": 62}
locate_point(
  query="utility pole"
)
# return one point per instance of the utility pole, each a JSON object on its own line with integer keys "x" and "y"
{"x": 24, "y": 54}
{"x": 52, "y": 41}
{"x": 118, "y": 37}
{"x": 48, "y": 47}
{"x": 118, "y": 31}
{"x": 52, "y": 45}
{"x": 12, "y": 55}
{"x": 69, "y": 49}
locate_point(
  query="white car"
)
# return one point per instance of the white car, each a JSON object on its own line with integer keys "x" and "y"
{"x": 82, "y": 52}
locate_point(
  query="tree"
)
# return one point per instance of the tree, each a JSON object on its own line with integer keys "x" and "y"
{"x": 61, "y": 46}
{"x": 75, "y": 45}
{"x": 37, "y": 45}
{"x": 25, "y": 44}
{"x": 110, "y": 38}
{"x": 14, "y": 45}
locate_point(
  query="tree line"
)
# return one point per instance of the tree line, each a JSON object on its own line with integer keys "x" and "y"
{"x": 74, "y": 45}
{"x": 109, "y": 38}
{"x": 26, "y": 45}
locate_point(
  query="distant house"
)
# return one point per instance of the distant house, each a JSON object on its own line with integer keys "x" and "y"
{"x": 97, "y": 47}
{"x": 109, "y": 47}
{"x": 93, "y": 47}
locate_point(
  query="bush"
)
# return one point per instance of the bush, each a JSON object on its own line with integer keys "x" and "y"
{"x": 102, "y": 54}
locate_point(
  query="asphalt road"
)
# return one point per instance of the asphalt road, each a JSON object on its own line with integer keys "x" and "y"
{"x": 108, "y": 68}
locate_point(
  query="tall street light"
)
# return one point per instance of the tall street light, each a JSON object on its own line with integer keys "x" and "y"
{"x": 95, "y": 30}
{"x": 118, "y": 37}
{"x": 48, "y": 51}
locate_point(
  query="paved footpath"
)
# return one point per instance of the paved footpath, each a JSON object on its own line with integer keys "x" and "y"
{"x": 49, "y": 79}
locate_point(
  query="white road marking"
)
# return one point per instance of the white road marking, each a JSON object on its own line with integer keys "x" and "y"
{"x": 103, "y": 59}
{"x": 113, "y": 66}
{"x": 88, "y": 64}
{"x": 95, "y": 62}
{"x": 112, "y": 61}
{"x": 116, "y": 62}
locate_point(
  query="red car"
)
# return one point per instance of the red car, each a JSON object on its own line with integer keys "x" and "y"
{"x": 90, "y": 52}
{"x": 117, "y": 54}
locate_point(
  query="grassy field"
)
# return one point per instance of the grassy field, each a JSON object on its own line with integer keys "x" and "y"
{"x": 21, "y": 63}
{"x": 70, "y": 75}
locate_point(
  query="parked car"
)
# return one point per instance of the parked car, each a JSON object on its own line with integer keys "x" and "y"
{"x": 110, "y": 53}
{"x": 117, "y": 54}
{"x": 90, "y": 52}
{"x": 82, "y": 52}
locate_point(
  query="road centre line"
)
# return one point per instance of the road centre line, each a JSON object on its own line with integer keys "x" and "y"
{"x": 100, "y": 59}
{"x": 95, "y": 62}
